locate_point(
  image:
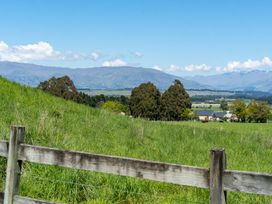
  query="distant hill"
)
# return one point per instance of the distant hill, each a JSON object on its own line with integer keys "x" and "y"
{"x": 242, "y": 81}
{"x": 92, "y": 78}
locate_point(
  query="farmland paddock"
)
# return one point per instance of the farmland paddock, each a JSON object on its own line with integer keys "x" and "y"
{"x": 216, "y": 178}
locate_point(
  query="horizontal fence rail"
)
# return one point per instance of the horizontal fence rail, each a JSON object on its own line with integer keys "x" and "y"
{"x": 237, "y": 181}
{"x": 157, "y": 171}
{"x": 24, "y": 200}
{"x": 248, "y": 182}
{"x": 216, "y": 178}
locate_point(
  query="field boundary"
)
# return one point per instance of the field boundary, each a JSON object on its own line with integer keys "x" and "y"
{"x": 216, "y": 178}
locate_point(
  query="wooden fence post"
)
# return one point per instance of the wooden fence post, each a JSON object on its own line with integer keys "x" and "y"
{"x": 217, "y": 166}
{"x": 13, "y": 165}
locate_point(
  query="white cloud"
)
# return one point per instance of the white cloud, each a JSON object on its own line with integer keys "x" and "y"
{"x": 194, "y": 67}
{"x": 20, "y": 53}
{"x": 232, "y": 66}
{"x": 218, "y": 69}
{"x": 157, "y": 67}
{"x": 174, "y": 68}
{"x": 3, "y": 46}
{"x": 40, "y": 51}
{"x": 95, "y": 55}
{"x": 266, "y": 62}
{"x": 189, "y": 68}
{"x": 137, "y": 54}
{"x": 114, "y": 63}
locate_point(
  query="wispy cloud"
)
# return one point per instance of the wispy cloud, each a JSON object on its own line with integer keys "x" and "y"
{"x": 95, "y": 55}
{"x": 114, "y": 63}
{"x": 137, "y": 54}
{"x": 190, "y": 68}
{"x": 195, "y": 67}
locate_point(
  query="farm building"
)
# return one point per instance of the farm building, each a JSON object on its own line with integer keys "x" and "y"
{"x": 204, "y": 115}
{"x": 231, "y": 116}
{"x": 219, "y": 116}
{"x": 210, "y": 115}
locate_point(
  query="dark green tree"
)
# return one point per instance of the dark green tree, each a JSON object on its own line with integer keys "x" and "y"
{"x": 175, "y": 102}
{"x": 61, "y": 87}
{"x": 224, "y": 105}
{"x": 145, "y": 101}
{"x": 258, "y": 111}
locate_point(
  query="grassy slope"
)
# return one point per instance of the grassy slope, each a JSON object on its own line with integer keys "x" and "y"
{"x": 54, "y": 122}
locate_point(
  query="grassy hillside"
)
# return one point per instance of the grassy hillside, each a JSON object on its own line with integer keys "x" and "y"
{"x": 54, "y": 122}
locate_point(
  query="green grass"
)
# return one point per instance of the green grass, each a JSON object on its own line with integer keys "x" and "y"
{"x": 54, "y": 122}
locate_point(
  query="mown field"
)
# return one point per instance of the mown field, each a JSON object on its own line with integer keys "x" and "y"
{"x": 54, "y": 122}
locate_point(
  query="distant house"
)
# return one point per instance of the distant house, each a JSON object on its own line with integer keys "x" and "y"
{"x": 210, "y": 115}
{"x": 231, "y": 117}
{"x": 204, "y": 115}
{"x": 219, "y": 116}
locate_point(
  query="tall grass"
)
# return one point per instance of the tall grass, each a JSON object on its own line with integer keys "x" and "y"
{"x": 54, "y": 122}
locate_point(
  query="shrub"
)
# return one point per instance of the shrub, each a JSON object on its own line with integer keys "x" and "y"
{"x": 115, "y": 107}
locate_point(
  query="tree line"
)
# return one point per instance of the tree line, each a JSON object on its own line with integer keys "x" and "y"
{"x": 146, "y": 101}
{"x": 64, "y": 87}
{"x": 255, "y": 111}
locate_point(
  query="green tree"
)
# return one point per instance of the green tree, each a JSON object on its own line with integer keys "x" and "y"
{"x": 145, "y": 101}
{"x": 61, "y": 87}
{"x": 115, "y": 107}
{"x": 258, "y": 111}
{"x": 188, "y": 114}
{"x": 224, "y": 105}
{"x": 174, "y": 102}
{"x": 238, "y": 107}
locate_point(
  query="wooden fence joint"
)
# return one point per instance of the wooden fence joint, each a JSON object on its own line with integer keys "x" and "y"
{"x": 13, "y": 165}
{"x": 217, "y": 167}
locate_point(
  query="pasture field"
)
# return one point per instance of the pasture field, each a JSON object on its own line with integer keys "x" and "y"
{"x": 127, "y": 92}
{"x": 121, "y": 92}
{"x": 206, "y": 106}
{"x": 54, "y": 122}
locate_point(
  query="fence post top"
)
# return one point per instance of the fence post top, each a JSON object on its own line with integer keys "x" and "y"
{"x": 17, "y": 126}
{"x": 217, "y": 149}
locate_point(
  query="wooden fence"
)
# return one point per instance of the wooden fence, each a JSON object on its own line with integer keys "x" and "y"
{"x": 216, "y": 177}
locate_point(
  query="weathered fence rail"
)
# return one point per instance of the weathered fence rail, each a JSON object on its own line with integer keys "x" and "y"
{"x": 216, "y": 178}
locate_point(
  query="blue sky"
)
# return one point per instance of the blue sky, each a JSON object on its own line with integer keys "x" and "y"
{"x": 182, "y": 37}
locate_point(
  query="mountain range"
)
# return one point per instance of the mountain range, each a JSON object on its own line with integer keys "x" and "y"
{"x": 93, "y": 78}
{"x": 256, "y": 80}
{"x": 129, "y": 77}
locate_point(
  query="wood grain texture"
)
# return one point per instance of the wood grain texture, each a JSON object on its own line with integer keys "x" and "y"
{"x": 248, "y": 182}
{"x": 13, "y": 176}
{"x": 217, "y": 167}
{"x": 158, "y": 171}
{"x": 26, "y": 200}
{"x": 4, "y": 148}
{"x": 1, "y": 197}
{"x": 237, "y": 181}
